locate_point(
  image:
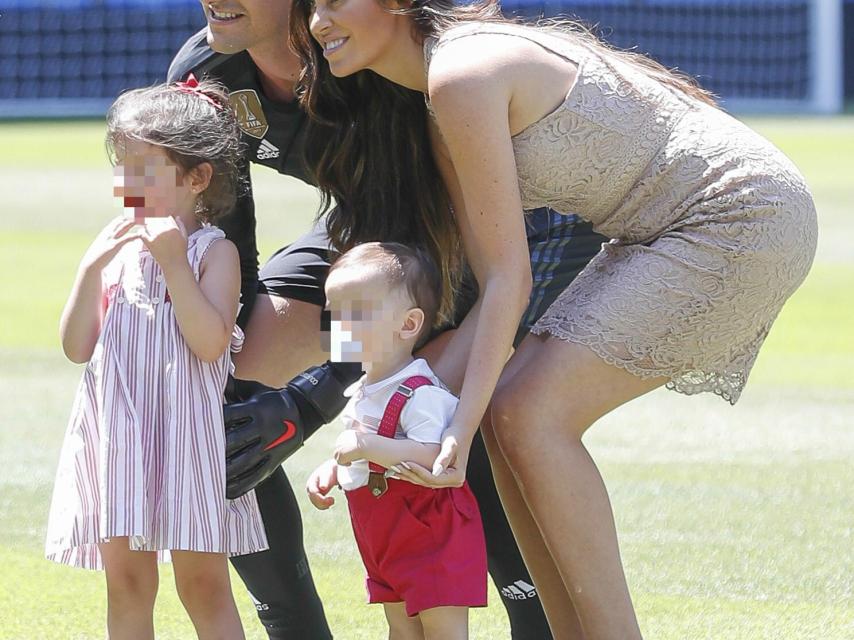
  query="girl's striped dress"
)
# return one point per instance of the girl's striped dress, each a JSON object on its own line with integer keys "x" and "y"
{"x": 144, "y": 452}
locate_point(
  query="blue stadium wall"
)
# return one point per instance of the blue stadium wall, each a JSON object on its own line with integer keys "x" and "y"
{"x": 72, "y": 57}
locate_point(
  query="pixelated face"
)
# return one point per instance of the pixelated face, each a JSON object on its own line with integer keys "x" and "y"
{"x": 355, "y": 34}
{"x": 237, "y": 25}
{"x": 366, "y": 316}
{"x": 148, "y": 182}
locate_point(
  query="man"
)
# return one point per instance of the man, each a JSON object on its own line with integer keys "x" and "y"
{"x": 245, "y": 47}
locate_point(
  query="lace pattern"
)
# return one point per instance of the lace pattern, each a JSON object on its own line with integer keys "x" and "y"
{"x": 713, "y": 227}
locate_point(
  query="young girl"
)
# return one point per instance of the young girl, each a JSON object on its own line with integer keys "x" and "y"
{"x": 152, "y": 312}
{"x": 423, "y": 549}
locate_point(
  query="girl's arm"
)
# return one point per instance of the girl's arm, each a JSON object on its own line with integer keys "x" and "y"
{"x": 80, "y": 323}
{"x": 471, "y": 103}
{"x": 81, "y": 319}
{"x": 206, "y": 309}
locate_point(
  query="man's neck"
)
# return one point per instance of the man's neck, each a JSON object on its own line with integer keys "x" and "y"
{"x": 278, "y": 71}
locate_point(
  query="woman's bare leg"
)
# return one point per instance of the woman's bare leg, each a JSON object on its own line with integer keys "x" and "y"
{"x": 563, "y": 620}
{"x": 131, "y": 590}
{"x": 540, "y": 410}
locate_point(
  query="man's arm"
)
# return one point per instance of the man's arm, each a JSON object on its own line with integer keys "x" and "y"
{"x": 265, "y": 430}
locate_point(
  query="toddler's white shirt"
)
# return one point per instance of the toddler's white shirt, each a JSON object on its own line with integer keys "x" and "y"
{"x": 424, "y": 417}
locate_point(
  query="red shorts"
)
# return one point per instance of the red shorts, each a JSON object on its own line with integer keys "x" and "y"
{"x": 421, "y": 546}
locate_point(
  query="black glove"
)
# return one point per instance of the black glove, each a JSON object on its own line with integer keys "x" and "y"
{"x": 263, "y": 431}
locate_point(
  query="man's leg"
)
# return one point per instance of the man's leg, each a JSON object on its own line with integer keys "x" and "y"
{"x": 286, "y": 311}
{"x": 279, "y": 580}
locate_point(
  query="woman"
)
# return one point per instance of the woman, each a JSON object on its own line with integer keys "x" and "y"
{"x": 713, "y": 227}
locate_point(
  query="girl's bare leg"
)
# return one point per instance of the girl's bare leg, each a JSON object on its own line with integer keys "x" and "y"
{"x": 131, "y": 590}
{"x": 445, "y": 623}
{"x": 204, "y": 587}
{"x": 400, "y": 625}
{"x": 540, "y": 410}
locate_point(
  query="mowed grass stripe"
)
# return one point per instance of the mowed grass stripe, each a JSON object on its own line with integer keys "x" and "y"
{"x": 810, "y": 343}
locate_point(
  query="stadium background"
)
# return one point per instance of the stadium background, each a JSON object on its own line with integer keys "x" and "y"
{"x": 71, "y": 57}
{"x": 734, "y": 523}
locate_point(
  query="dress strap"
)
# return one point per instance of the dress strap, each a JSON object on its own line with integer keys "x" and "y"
{"x": 198, "y": 244}
{"x": 550, "y": 39}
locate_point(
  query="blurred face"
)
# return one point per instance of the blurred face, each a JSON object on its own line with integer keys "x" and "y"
{"x": 237, "y": 25}
{"x": 369, "y": 318}
{"x": 354, "y": 34}
{"x": 149, "y": 183}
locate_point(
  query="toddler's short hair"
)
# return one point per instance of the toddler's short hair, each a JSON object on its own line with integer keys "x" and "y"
{"x": 403, "y": 266}
{"x": 192, "y": 127}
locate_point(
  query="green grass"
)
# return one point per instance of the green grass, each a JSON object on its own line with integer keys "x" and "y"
{"x": 734, "y": 523}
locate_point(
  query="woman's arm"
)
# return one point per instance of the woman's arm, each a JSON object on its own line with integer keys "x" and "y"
{"x": 471, "y": 103}
{"x": 205, "y": 310}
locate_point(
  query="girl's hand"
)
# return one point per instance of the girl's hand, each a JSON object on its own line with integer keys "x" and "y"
{"x": 108, "y": 242}
{"x": 166, "y": 239}
{"x": 449, "y": 469}
{"x": 348, "y": 447}
{"x": 320, "y": 483}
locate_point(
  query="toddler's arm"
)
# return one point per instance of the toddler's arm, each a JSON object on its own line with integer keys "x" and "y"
{"x": 320, "y": 483}
{"x": 354, "y": 445}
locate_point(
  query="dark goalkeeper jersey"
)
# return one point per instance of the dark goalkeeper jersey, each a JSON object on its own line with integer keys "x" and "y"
{"x": 274, "y": 133}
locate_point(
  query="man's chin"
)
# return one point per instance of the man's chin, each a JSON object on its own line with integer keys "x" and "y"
{"x": 221, "y": 44}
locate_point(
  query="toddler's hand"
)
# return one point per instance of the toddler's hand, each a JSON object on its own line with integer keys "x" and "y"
{"x": 108, "y": 242}
{"x": 320, "y": 483}
{"x": 166, "y": 239}
{"x": 348, "y": 447}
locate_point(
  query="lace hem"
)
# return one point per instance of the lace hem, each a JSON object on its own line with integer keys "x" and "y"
{"x": 727, "y": 386}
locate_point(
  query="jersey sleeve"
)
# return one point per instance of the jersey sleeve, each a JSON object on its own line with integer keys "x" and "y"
{"x": 427, "y": 413}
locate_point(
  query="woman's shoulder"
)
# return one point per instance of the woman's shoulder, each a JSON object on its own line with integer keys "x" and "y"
{"x": 480, "y": 50}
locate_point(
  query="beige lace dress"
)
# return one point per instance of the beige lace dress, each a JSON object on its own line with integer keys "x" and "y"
{"x": 713, "y": 226}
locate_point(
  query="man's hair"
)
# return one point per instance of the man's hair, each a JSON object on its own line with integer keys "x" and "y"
{"x": 403, "y": 266}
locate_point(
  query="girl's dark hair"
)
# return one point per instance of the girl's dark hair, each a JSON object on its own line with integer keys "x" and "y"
{"x": 367, "y": 142}
{"x": 403, "y": 266}
{"x": 192, "y": 126}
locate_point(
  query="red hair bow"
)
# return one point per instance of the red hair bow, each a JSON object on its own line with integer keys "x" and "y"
{"x": 191, "y": 85}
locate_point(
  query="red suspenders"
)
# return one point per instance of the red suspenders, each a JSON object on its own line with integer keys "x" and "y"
{"x": 388, "y": 426}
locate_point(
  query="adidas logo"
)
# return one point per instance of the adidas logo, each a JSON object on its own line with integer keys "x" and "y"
{"x": 266, "y": 151}
{"x": 519, "y": 590}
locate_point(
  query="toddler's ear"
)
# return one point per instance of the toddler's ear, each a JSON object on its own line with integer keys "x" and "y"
{"x": 412, "y": 323}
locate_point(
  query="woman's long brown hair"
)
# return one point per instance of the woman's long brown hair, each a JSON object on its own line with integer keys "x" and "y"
{"x": 367, "y": 143}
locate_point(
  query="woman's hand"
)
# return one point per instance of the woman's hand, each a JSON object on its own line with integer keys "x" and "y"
{"x": 106, "y": 245}
{"x": 449, "y": 468}
{"x": 166, "y": 239}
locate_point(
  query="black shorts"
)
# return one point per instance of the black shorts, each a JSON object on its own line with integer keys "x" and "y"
{"x": 560, "y": 247}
